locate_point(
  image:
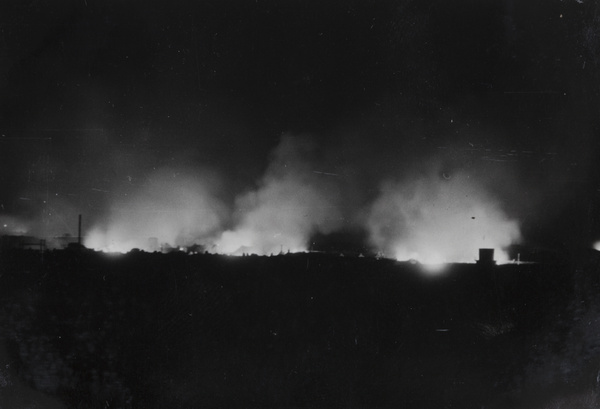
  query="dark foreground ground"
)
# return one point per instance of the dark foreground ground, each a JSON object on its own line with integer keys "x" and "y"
{"x": 87, "y": 330}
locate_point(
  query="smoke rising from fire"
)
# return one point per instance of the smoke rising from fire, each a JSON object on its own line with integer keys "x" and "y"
{"x": 171, "y": 207}
{"x": 437, "y": 217}
{"x": 381, "y": 86}
{"x": 291, "y": 203}
{"x": 433, "y": 217}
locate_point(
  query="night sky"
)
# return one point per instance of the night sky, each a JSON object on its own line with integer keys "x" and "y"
{"x": 102, "y": 100}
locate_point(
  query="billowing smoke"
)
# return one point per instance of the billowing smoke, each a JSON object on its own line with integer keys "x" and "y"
{"x": 433, "y": 217}
{"x": 291, "y": 202}
{"x": 171, "y": 208}
{"x": 439, "y": 217}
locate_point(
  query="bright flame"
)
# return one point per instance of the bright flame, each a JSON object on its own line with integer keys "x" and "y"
{"x": 437, "y": 221}
{"x": 280, "y": 216}
{"x": 426, "y": 257}
{"x": 171, "y": 209}
{"x": 434, "y": 268}
{"x": 431, "y": 261}
{"x": 291, "y": 203}
{"x": 433, "y": 219}
{"x": 597, "y": 245}
{"x": 114, "y": 240}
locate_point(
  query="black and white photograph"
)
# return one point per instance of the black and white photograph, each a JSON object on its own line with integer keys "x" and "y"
{"x": 300, "y": 204}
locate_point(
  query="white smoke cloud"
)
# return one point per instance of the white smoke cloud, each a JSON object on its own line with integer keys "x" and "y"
{"x": 434, "y": 217}
{"x": 172, "y": 207}
{"x": 291, "y": 203}
{"x": 438, "y": 217}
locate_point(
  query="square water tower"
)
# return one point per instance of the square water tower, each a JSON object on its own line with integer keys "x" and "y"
{"x": 486, "y": 257}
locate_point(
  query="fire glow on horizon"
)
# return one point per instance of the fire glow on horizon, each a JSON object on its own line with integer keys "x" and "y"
{"x": 431, "y": 219}
{"x": 437, "y": 220}
{"x": 290, "y": 204}
{"x": 171, "y": 209}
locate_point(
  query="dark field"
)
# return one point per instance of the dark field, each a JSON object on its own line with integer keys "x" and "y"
{"x": 87, "y": 330}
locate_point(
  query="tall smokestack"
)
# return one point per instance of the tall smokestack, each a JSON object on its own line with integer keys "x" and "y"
{"x": 79, "y": 232}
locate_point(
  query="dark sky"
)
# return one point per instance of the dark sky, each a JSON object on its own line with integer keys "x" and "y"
{"x": 96, "y": 95}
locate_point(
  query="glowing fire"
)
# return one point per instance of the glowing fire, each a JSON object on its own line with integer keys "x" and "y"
{"x": 290, "y": 204}
{"x": 433, "y": 219}
{"x": 438, "y": 221}
{"x": 170, "y": 209}
{"x": 280, "y": 216}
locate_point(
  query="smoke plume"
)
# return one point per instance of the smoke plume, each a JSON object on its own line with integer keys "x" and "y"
{"x": 173, "y": 208}
{"x": 291, "y": 202}
{"x": 437, "y": 217}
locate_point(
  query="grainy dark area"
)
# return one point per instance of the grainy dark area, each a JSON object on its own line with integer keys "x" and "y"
{"x": 143, "y": 330}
